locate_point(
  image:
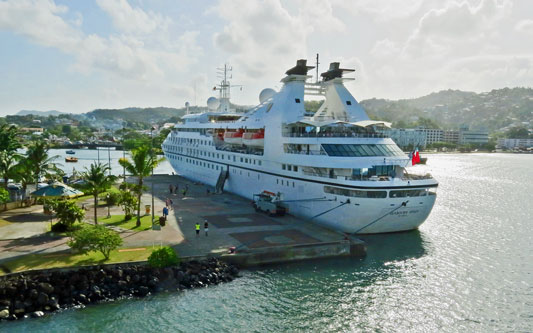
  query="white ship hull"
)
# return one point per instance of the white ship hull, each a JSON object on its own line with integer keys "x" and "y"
{"x": 362, "y": 215}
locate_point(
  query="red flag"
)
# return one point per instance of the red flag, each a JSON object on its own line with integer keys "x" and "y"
{"x": 416, "y": 157}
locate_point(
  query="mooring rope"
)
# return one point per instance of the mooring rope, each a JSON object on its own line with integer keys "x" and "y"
{"x": 392, "y": 211}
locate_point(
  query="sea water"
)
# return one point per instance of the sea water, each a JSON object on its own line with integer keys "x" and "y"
{"x": 469, "y": 268}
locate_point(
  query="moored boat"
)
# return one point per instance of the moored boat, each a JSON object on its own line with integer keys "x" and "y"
{"x": 70, "y": 152}
{"x": 71, "y": 159}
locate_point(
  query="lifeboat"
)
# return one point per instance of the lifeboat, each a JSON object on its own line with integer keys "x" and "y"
{"x": 254, "y": 139}
{"x": 71, "y": 159}
{"x": 234, "y": 137}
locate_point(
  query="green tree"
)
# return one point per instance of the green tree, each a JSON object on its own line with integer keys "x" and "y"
{"x": 517, "y": 133}
{"x": 128, "y": 200}
{"x": 96, "y": 238}
{"x": 67, "y": 212}
{"x": 4, "y": 196}
{"x": 8, "y": 151}
{"x": 23, "y": 173}
{"x": 141, "y": 165}
{"x": 40, "y": 162}
{"x": 97, "y": 181}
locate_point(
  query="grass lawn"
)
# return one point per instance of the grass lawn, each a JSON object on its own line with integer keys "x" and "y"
{"x": 42, "y": 261}
{"x": 118, "y": 221}
{"x": 4, "y": 223}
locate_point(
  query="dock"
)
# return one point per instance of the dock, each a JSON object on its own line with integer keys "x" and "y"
{"x": 234, "y": 224}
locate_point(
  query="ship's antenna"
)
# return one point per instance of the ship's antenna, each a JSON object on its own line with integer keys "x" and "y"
{"x": 317, "y": 63}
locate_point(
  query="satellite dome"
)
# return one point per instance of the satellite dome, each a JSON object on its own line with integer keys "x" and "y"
{"x": 213, "y": 103}
{"x": 266, "y": 94}
{"x": 187, "y": 104}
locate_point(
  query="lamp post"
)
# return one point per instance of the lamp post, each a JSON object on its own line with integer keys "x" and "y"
{"x": 152, "y": 156}
{"x": 108, "y": 213}
{"x": 123, "y": 153}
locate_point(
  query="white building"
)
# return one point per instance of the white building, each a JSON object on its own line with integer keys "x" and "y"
{"x": 515, "y": 143}
{"x": 432, "y": 134}
{"x": 407, "y": 137}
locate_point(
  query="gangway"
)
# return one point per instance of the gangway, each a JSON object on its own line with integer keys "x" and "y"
{"x": 219, "y": 188}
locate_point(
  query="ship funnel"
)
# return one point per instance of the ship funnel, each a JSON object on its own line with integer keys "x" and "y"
{"x": 301, "y": 68}
{"x": 335, "y": 71}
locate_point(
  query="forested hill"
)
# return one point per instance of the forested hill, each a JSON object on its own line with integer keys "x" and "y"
{"x": 492, "y": 110}
{"x": 142, "y": 115}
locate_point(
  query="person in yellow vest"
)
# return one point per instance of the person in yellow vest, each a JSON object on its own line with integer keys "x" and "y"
{"x": 197, "y": 229}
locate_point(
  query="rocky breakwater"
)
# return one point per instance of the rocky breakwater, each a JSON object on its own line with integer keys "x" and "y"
{"x": 33, "y": 294}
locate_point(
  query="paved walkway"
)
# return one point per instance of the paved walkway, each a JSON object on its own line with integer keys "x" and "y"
{"x": 232, "y": 222}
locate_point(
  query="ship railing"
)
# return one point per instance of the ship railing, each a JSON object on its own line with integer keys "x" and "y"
{"x": 334, "y": 135}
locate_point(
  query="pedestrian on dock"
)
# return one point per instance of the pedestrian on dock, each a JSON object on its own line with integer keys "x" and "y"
{"x": 176, "y": 188}
{"x": 167, "y": 202}
{"x": 171, "y": 188}
{"x": 170, "y": 204}
{"x": 206, "y": 227}
{"x": 197, "y": 227}
{"x": 165, "y": 212}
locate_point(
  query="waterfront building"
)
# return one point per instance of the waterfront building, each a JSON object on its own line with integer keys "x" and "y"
{"x": 432, "y": 134}
{"x": 407, "y": 137}
{"x": 477, "y": 137}
{"x": 450, "y": 136}
{"x": 515, "y": 143}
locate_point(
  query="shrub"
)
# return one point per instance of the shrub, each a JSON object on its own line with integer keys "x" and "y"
{"x": 112, "y": 198}
{"x": 163, "y": 257}
{"x": 4, "y": 195}
{"x": 128, "y": 202}
{"x": 67, "y": 212}
{"x": 95, "y": 238}
{"x": 59, "y": 227}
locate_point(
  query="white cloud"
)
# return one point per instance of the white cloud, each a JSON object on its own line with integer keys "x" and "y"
{"x": 132, "y": 20}
{"x": 441, "y": 29}
{"x": 126, "y": 56}
{"x": 525, "y": 26}
{"x": 382, "y": 10}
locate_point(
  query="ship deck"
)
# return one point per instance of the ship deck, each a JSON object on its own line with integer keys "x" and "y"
{"x": 257, "y": 238}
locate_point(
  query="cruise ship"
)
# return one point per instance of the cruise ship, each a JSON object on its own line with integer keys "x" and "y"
{"x": 333, "y": 166}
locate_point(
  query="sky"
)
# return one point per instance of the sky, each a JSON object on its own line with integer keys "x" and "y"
{"x": 76, "y": 56}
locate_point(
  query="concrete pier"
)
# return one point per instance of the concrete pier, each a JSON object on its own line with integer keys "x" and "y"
{"x": 233, "y": 222}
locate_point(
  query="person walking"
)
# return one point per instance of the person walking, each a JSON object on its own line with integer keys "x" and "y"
{"x": 176, "y": 188}
{"x": 170, "y": 188}
{"x": 206, "y": 227}
{"x": 197, "y": 227}
{"x": 167, "y": 202}
{"x": 165, "y": 212}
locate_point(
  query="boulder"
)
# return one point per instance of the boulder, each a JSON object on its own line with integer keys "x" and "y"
{"x": 46, "y": 287}
{"x": 37, "y": 314}
{"x": 42, "y": 298}
{"x": 4, "y": 314}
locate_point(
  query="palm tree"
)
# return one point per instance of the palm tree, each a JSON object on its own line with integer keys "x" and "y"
{"x": 41, "y": 163}
{"x": 98, "y": 180}
{"x": 23, "y": 173}
{"x": 8, "y": 151}
{"x": 143, "y": 161}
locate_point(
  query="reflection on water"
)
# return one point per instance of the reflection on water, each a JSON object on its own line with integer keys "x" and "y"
{"x": 468, "y": 269}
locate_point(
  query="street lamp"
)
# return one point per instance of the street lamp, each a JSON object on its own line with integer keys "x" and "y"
{"x": 108, "y": 205}
{"x": 123, "y": 154}
{"x": 152, "y": 156}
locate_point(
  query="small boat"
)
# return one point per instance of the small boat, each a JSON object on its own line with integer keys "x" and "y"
{"x": 71, "y": 159}
{"x": 71, "y": 152}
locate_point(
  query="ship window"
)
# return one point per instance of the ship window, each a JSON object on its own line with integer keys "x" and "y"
{"x": 354, "y": 193}
{"x": 283, "y": 167}
{"x": 295, "y": 168}
{"x": 297, "y": 100}
{"x": 289, "y": 167}
{"x": 258, "y": 176}
{"x": 241, "y": 159}
{"x": 259, "y": 162}
{"x": 277, "y": 181}
{"x": 234, "y": 158}
{"x": 292, "y": 184}
{"x": 348, "y": 103}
